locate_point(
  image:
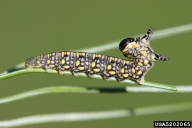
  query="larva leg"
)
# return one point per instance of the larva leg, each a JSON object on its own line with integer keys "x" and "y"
{"x": 160, "y": 57}
{"x": 106, "y": 77}
{"x": 148, "y": 35}
{"x": 120, "y": 80}
{"x": 156, "y": 56}
{"x": 141, "y": 80}
{"x": 48, "y": 69}
{"x": 61, "y": 72}
{"x": 75, "y": 73}
{"x": 29, "y": 67}
{"x": 90, "y": 74}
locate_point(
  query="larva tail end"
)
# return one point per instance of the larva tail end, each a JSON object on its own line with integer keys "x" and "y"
{"x": 30, "y": 63}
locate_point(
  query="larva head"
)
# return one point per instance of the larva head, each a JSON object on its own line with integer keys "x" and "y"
{"x": 125, "y": 43}
{"x": 31, "y": 63}
{"x": 128, "y": 47}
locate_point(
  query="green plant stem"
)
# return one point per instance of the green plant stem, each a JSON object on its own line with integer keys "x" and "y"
{"x": 96, "y": 115}
{"x": 24, "y": 71}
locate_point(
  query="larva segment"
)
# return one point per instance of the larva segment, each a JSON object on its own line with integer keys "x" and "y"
{"x": 141, "y": 67}
{"x": 52, "y": 60}
{"x": 112, "y": 66}
{"x": 81, "y": 62}
{"x": 124, "y": 69}
{"x": 66, "y": 61}
{"x": 30, "y": 63}
{"x": 96, "y": 64}
{"x": 35, "y": 62}
{"x": 131, "y": 70}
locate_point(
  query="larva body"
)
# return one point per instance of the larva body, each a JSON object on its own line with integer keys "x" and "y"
{"x": 138, "y": 50}
{"x": 92, "y": 64}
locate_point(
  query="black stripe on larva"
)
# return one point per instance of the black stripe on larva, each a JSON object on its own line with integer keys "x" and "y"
{"x": 91, "y": 63}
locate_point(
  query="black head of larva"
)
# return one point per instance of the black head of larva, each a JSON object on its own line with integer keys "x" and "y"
{"x": 125, "y": 42}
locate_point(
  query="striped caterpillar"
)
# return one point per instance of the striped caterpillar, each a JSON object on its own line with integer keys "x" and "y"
{"x": 139, "y": 50}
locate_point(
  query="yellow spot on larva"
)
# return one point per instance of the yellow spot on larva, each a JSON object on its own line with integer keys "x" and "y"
{"x": 68, "y": 53}
{"x": 145, "y": 62}
{"x": 93, "y": 56}
{"x": 38, "y": 62}
{"x": 66, "y": 66}
{"x": 130, "y": 45}
{"x": 53, "y": 54}
{"x": 77, "y": 54}
{"x": 62, "y": 61}
{"x": 140, "y": 64}
{"x": 99, "y": 55}
{"x": 112, "y": 72}
{"x": 115, "y": 59}
{"x": 108, "y": 67}
{"x": 136, "y": 45}
{"x": 124, "y": 50}
{"x": 83, "y": 54}
{"x": 96, "y": 70}
{"x": 125, "y": 75}
{"x": 144, "y": 53}
{"x": 125, "y": 62}
{"x": 47, "y": 55}
{"x": 133, "y": 70}
{"x": 111, "y": 58}
{"x": 93, "y": 64}
{"x": 62, "y": 54}
{"x": 38, "y": 57}
{"x": 51, "y": 65}
{"x": 122, "y": 70}
{"x": 139, "y": 72}
{"x": 48, "y": 61}
{"x": 80, "y": 68}
{"x": 77, "y": 63}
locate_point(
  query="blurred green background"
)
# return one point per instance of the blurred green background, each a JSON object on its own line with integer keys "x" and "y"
{"x": 30, "y": 28}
